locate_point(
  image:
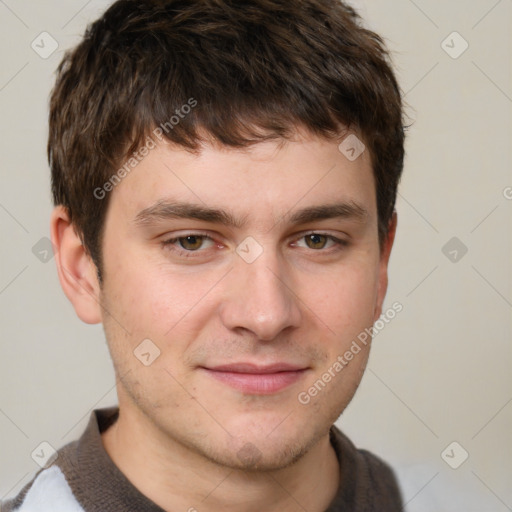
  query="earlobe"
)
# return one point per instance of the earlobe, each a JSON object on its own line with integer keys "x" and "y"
{"x": 76, "y": 270}
{"x": 383, "y": 265}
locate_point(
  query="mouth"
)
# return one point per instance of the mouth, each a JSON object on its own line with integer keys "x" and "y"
{"x": 256, "y": 379}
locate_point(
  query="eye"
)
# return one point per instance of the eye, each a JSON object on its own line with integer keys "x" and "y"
{"x": 189, "y": 243}
{"x": 197, "y": 244}
{"x": 316, "y": 241}
{"x": 319, "y": 241}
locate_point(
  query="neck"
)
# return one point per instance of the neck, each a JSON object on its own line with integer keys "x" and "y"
{"x": 177, "y": 478}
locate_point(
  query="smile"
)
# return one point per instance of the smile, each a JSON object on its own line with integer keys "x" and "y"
{"x": 251, "y": 379}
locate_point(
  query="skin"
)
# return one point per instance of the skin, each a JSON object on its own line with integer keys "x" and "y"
{"x": 183, "y": 438}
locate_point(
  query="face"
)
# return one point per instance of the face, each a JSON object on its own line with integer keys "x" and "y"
{"x": 249, "y": 273}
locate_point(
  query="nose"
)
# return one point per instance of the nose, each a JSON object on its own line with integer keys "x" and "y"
{"x": 259, "y": 297}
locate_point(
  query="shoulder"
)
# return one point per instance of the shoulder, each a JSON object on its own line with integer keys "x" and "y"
{"x": 48, "y": 491}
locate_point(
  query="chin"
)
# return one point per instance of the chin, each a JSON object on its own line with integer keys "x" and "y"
{"x": 260, "y": 455}
{"x": 266, "y": 446}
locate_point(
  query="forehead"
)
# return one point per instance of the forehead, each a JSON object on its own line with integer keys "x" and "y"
{"x": 264, "y": 180}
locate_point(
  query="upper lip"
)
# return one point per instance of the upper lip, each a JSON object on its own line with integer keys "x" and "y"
{"x": 244, "y": 367}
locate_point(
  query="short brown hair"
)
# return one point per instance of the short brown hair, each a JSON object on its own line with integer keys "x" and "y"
{"x": 257, "y": 70}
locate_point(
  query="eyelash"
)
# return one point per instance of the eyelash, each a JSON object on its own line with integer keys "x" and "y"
{"x": 170, "y": 243}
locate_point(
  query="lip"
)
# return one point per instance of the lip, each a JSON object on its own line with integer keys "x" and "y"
{"x": 257, "y": 379}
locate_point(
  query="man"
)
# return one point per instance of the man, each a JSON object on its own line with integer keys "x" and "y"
{"x": 224, "y": 174}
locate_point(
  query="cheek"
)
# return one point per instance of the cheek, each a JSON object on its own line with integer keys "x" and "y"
{"x": 150, "y": 298}
{"x": 345, "y": 300}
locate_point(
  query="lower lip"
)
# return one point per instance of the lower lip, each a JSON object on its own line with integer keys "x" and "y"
{"x": 258, "y": 383}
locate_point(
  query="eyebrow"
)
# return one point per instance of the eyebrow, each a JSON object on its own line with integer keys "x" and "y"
{"x": 165, "y": 210}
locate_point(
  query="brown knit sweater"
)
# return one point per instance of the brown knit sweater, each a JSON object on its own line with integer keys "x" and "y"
{"x": 83, "y": 478}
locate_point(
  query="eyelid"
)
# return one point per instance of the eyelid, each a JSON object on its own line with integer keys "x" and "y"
{"x": 337, "y": 241}
{"x": 170, "y": 243}
{"x": 172, "y": 240}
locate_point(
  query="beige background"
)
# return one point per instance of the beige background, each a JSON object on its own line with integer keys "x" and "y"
{"x": 439, "y": 372}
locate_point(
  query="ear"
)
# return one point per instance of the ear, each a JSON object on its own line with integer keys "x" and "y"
{"x": 77, "y": 272}
{"x": 383, "y": 266}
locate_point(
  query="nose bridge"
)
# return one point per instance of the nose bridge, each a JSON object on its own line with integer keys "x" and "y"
{"x": 259, "y": 298}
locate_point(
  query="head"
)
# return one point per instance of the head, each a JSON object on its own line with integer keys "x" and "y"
{"x": 207, "y": 200}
